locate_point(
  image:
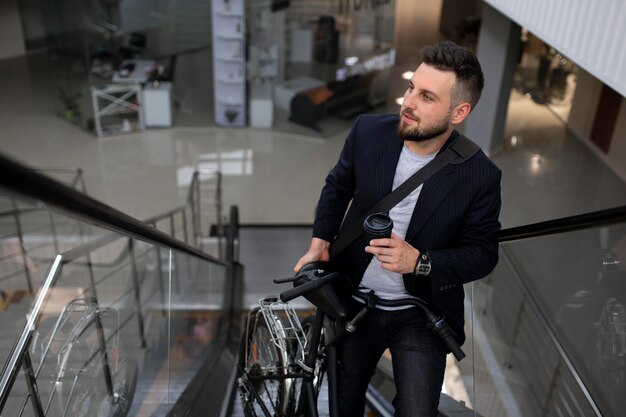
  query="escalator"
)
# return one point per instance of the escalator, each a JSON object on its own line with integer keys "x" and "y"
{"x": 546, "y": 329}
{"x": 104, "y": 315}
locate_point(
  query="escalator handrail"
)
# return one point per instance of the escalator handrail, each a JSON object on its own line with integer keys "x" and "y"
{"x": 27, "y": 182}
{"x": 565, "y": 224}
{"x": 589, "y": 220}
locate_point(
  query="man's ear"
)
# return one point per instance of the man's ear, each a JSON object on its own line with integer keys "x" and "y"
{"x": 459, "y": 113}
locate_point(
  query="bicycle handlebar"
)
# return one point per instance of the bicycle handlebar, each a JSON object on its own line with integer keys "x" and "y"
{"x": 314, "y": 283}
{"x": 436, "y": 323}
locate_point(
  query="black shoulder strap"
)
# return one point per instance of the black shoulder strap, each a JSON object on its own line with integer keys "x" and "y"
{"x": 460, "y": 150}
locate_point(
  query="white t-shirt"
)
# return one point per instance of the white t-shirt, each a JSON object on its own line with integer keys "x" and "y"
{"x": 386, "y": 284}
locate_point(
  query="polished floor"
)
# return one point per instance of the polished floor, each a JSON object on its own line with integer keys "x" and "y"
{"x": 275, "y": 177}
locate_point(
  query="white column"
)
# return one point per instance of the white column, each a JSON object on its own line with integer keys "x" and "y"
{"x": 11, "y": 34}
{"x": 498, "y": 51}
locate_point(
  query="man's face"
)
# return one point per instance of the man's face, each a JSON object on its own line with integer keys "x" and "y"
{"x": 427, "y": 106}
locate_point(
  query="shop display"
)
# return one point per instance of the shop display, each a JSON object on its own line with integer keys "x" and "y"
{"x": 117, "y": 109}
{"x": 326, "y": 40}
{"x": 229, "y": 80}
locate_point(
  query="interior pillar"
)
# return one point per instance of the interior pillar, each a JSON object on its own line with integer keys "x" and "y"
{"x": 498, "y": 52}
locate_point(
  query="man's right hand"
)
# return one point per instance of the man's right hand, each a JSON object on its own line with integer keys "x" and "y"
{"x": 318, "y": 251}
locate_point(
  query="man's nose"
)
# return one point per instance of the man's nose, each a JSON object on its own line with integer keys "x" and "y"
{"x": 409, "y": 101}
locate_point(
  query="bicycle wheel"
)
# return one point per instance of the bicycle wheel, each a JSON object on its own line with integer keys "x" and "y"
{"x": 262, "y": 360}
{"x": 73, "y": 370}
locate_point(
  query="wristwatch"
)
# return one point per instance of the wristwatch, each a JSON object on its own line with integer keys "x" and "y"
{"x": 422, "y": 265}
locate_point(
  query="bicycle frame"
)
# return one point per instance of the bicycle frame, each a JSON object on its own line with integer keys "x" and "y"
{"x": 303, "y": 359}
{"x": 308, "y": 396}
{"x": 314, "y": 358}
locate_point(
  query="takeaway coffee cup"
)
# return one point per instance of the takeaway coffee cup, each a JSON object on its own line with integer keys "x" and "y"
{"x": 377, "y": 226}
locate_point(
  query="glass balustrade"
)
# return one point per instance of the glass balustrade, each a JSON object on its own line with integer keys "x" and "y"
{"x": 548, "y": 327}
{"x": 30, "y": 238}
{"x": 111, "y": 324}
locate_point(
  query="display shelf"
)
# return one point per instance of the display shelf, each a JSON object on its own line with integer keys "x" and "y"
{"x": 224, "y": 14}
{"x": 229, "y": 67}
{"x": 117, "y": 109}
{"x": 230, "y": 35}
{"x": 263, "y": 63}
{"x": 229, "y": 81}
{"x": 121, "y": 128}
{"x": 228, "y": 7}
{"x": 231, "y": 101}
{"x": 232, "y": 59}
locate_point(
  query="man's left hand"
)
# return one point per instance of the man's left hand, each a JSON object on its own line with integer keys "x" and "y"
{"x": 394, "y": 254}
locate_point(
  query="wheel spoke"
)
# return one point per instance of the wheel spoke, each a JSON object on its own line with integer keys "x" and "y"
{"x": 264, "y": 359}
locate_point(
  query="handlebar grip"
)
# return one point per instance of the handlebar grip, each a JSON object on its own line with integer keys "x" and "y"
{"x": 441, "y": 329}
{"x": 295, "y": 292}
{"x": 284, "y": 280}
{"x": 454, "y": 347}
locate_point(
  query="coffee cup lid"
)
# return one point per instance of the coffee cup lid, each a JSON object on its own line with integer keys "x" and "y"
{"x": 378, "y": 222}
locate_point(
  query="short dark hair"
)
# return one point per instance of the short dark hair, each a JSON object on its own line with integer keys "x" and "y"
{"x": 448, "y": 56}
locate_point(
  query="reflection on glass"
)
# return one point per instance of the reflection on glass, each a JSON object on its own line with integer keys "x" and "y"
{"x": 194, "y": 307}
{"x": 549, "y": 327}
{"x": 592, "y": 320}
{"x": 30, "y": 238}
{"x": 119, "y": 313}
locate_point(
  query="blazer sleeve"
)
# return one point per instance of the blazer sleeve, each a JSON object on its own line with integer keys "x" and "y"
{"x": 477, "y": 253}
{"x": 337, "y": 192}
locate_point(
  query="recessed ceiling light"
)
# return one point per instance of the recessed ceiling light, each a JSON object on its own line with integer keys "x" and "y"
{"x": 407, "y": 75}
{"x": 351, "y": 60}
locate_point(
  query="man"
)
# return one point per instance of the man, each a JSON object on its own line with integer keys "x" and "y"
{"x": 444, "y": 231}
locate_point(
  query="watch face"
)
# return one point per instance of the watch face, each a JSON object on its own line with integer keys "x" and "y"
{"x": 423, "y": 265}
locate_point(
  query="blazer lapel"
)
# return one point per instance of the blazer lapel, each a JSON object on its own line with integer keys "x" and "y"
{"x": 434, "y": 191}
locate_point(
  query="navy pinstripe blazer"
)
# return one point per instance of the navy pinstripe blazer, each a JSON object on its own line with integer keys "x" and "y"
{"x": 455, "y": 218}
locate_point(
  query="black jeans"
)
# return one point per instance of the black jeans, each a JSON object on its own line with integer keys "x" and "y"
{"x": 418, "y": 357}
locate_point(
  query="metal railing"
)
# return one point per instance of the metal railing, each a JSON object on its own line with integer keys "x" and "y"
{"x": 34, "y": 185}
{"x": 201, "y": 191}
{"x": 205, "y": 187}
{"x": 15, "y": 242}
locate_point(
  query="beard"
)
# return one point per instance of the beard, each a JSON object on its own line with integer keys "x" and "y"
{"x": 421, "y": 133}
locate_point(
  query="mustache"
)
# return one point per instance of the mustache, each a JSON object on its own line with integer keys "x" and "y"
{"x": 410, "y": 113}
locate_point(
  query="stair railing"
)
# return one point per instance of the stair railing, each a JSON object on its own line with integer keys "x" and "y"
{"x": 22, "y": 180}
